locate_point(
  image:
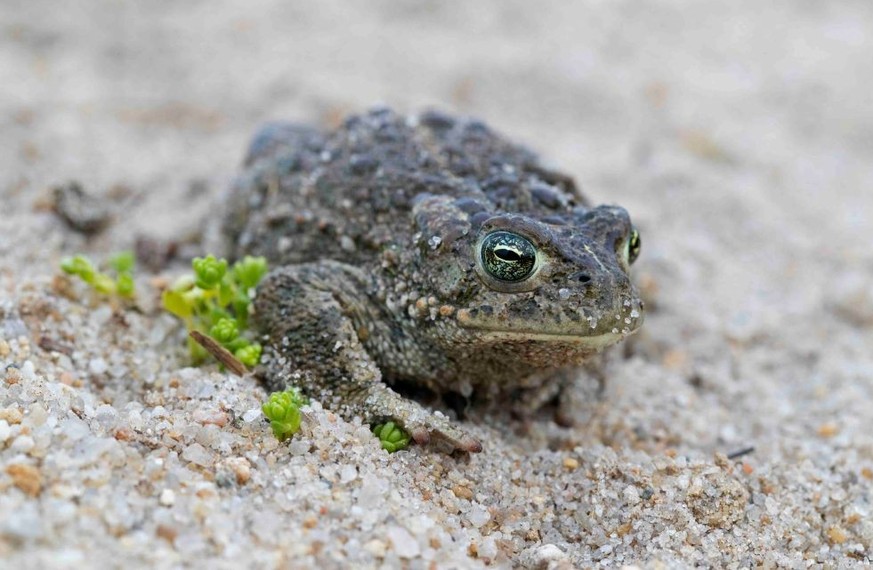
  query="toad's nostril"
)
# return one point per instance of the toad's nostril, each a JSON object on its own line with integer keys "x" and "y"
{"x": 580, "y": 276}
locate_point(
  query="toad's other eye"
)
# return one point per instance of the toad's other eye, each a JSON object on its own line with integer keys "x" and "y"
{"x": 507, "y": 256}
{"x": 632, "y": 249}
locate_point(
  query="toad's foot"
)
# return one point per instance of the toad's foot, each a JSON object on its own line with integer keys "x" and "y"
{"x": 422, "y": 425}
{"x": 309, "y": 312}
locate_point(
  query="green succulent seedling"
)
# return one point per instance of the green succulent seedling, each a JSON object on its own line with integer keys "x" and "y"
{"x": 283, "y": 411}
{"x": 391, "y": 436}
{"x": 122, "y": 265}
{"x": 215, "y": 300}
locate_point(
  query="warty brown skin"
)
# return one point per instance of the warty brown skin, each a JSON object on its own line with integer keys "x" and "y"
{"x": 389, "y": 239}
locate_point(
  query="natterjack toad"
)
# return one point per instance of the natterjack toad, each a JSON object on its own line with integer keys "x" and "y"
{"x": 427, "y": 250}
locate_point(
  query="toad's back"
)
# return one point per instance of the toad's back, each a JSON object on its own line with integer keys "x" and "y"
{"x": 348, "y": 196}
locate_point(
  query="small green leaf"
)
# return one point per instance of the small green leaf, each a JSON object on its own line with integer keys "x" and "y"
{"x": 208, "y": 271}
{"x": 103, "y": 283}
{"x": 124, "y": 285}
{"x": 214, "y": 300}
{"x": 283, "y": 411}
{"x": 241, "y": 309}
{"x": 79, "y": 265}
{"x": 249, "y": 355}
{"x": 225, "y": 293}
{"x": 224, "y": 331}
{"x": 249, "y": 271}
{"x": 238, "y": 343}
{"x": 123, "y": 262}
{"x": 176, "y": 303}
{"x": 391, "y": 436}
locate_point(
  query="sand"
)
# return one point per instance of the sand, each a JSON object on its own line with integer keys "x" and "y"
{"x": 739, "y": 136}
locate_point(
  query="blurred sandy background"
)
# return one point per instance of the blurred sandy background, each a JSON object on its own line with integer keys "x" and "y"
{"x": 738, "y": 135}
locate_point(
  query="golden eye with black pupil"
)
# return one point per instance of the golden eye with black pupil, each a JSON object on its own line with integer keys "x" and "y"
{"x": 634, "y": 243}
{"x": 507, "y": 256}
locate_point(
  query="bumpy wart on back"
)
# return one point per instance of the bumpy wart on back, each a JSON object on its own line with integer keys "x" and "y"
{"x": 428, "y": 251}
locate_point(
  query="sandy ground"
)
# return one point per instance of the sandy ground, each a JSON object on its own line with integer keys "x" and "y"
{"x": 740, "y": 137}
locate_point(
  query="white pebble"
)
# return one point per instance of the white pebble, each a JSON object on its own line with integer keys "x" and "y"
{"x": 196, "y": 453}
{"x": 405, "y": 545}
{"x": 27, "y": 524}
{"x": 36, "y": 416}
{"x": 28, "y": 370}
{"x": 5, "y": 430}
{"x": 168, "y": 497}
{"x": 23, "y": 443}
{"x": 544, "y": 556}
{"x": 479, "y": 515}
{"x": 348, "y": 473}
{"x": 487, "y": 548}
{"x": 631, "y": 495}
{"x": 135, "y": 420}
{"x": 97, "y": 366}
{"x": 372, "y": 491}
{"x": 376, "y": 547}
{"x": 106, "y": 416}
{"x": 74, "y": 429}
{"x": 251, "y": 415}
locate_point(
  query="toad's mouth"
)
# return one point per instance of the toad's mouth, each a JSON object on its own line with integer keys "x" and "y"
{"x": 594, "y": 337}
{"x": 596, "y": 342}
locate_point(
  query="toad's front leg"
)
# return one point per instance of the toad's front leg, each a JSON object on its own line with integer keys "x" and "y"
{"x": 308, "y": 313}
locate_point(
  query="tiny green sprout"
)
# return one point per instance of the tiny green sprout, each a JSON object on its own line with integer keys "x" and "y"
{"x": 216, "y": 301}
{"x": 176, "y": 303}
{"x": 124, "y": 285}
{"x": 208, "y": 271}
{"x": 103, "y": 283}
{"x": 391, "y": 436}
{"x": 122, "y": 264}
{"x": 283, "y": 411}
{"x": 249, "y": 271}
{"x": 224, "y": 331}
{"x": 249, "y": 355}
{"x": 79, "y": 265}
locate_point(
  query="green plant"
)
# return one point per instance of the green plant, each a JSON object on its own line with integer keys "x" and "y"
{"x": 283, "y": 411}
{"x": 391, "y": 436}
{"x": 215, "y": 300}
{"x": 122, "y": 265}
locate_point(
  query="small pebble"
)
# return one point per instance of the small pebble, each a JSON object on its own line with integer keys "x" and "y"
{"x": 26, "y": 477}
{"x": 376, "y": 547}
{"x": 252, "y": 415}
{"x": 11, "y": 415}
{"x": 22, "y": 444}
{"x": 348, "y": 473}
{"x": 97, "y": 366}
{"x": 546, "y": 555}
{"x": 403, "y": 543}
{"x": 213, "y": 417}
{"x": 168, "y": 497}
{"x": 196, "y": 453}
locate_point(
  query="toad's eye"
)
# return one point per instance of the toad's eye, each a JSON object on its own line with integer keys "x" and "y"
{"x": 507, "y": 256}
{"x": 632, "y": 249}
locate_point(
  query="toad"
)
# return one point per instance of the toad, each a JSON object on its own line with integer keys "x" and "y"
{"x": 428, "y": 251}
